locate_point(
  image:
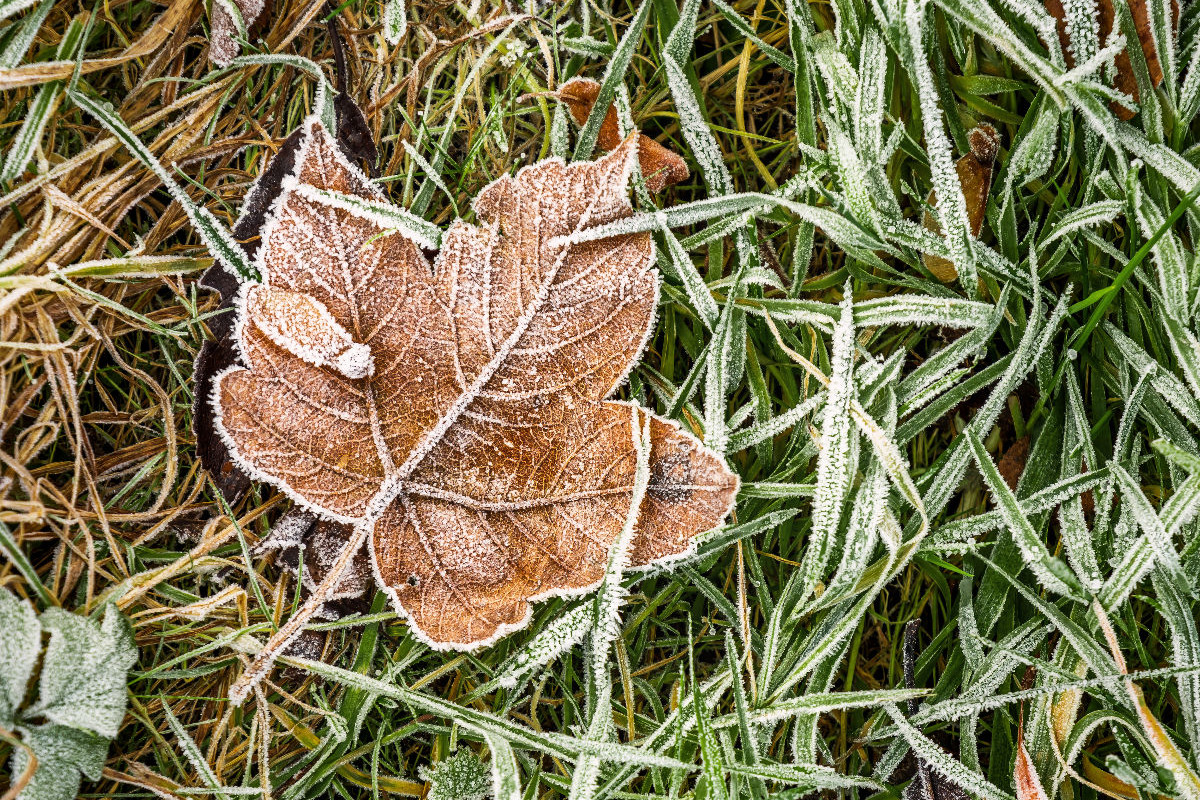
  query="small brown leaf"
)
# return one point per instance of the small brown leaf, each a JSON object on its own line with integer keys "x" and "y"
{"x": 975, "y": 177}
{"x": 1012, "y": 463}
{"x": 660, "y": 166}
{"x": 475, "y": 442}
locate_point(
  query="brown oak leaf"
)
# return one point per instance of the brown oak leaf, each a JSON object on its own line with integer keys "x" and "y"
{"x": 456, "y": 413}
{"x": 660, "y": 166}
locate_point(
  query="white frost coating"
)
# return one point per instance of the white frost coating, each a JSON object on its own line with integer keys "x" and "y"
{"x": 1082, "y": 21}
{"x": 395, "y": 20}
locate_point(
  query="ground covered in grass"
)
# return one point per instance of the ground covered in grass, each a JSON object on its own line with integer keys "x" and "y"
{"x": 957, "y": 369}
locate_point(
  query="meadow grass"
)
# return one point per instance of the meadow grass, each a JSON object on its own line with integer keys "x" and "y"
{"x": 1009, "y": 458}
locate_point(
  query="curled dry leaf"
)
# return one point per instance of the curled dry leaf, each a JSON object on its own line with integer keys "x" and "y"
{"x": 1124, "y": 80}
{"x": 975, "y": 176}
{"x": 223, "y": 44}
{"x": 660, "y": 166}
{"x": 475, "y": 445}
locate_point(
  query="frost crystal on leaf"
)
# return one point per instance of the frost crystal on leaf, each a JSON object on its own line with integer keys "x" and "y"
{"x": 462, "y": 776}
{"x": 18, "y": 653}
{"x": 477, "y": 447}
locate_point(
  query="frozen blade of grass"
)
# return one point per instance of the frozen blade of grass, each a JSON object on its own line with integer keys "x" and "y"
{"x": 10, "y": 7}
{"x": 614, "y": 74}
{"x": 717, "y": 540}
{"x": 777, "y": 56}
{"x": 215, "y": 235}
{"x": 1033, "y": 343}
{"x": 942, "y": 762}
{"x": 190, "y": 751}
{"x": 1176, "y": 609}
{"x": 951, "y": 206}
{"x": 862, "y": 533}
{"x": 1083, "y": 641}
{"x": 517, "y": 735}
{"x": 503, "y": 27}
{"x": 27, "y": 30}
{"x": 949, "y": 357}
{"x": 833, "y": 480}
{"x": 983, "y": 19}
{"x": 776, "y": 425}
{"x": 1033, "y": 155}
{"x": 1135, "y": 564}
{"x": 1169, "y": 387}
{"x": 1050, "y": 572}
{"x": 813, "y": 776}
{"x": 693, "y": 284}
{"x": 1186, "y": 348}
{"x": 386, "y": 215}
{"x": 30, "y": 133}
{"x": 506, "y": 779}
{"x": 712, "y": 759}
{"x": 322, "y": 100}
{"x": 692, "y": 124}
{"x": 1102, "y": 212}
{"x": 1168, "y": 251}
{"x": 548, "y": 644}
{"x": 821, "y": 703}
{"x": 1146, "y": 518}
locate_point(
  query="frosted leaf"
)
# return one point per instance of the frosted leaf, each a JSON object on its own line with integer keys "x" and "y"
{"x": 395, "y": 20}
{"x": 462, "y": 776}
{"x": 19, "y": 648}
{"x": 83, "y": 672}
{"x": 229, "y": 22}
{"x": 480, "y": 454}
{"x": 62, "y": 754}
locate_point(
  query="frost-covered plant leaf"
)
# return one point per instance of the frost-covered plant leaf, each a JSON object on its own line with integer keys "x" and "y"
{"x": 81, "y": 693}
{"x": 18, "y": 653}
{"x": 462, "y": 776}
{"x": 83, "y": 673}
{"x": 63, "y": 753}
{"x": 456, "y": 412}
{"x": 230, "y": 21}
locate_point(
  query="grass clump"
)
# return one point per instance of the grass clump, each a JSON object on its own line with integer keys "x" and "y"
{"x": 1009, "y": 457}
